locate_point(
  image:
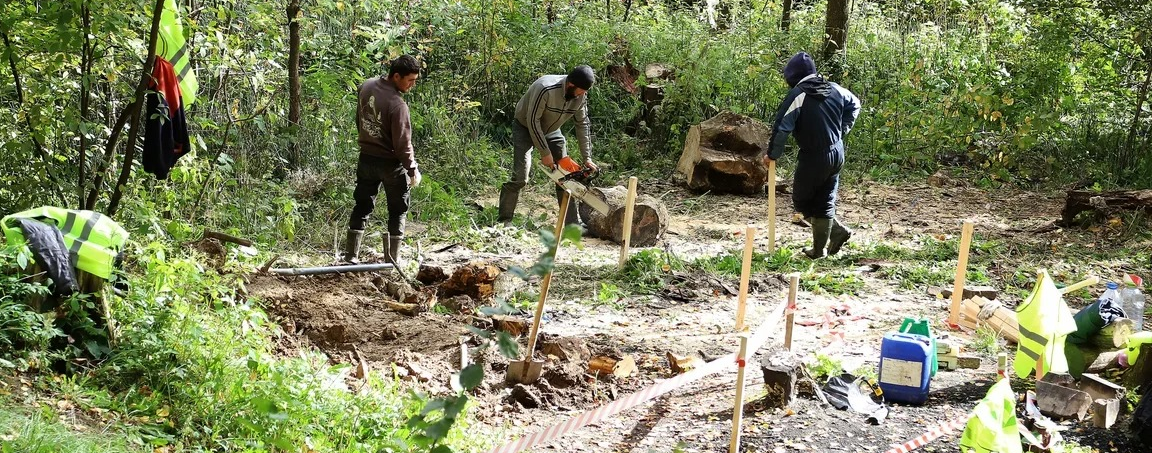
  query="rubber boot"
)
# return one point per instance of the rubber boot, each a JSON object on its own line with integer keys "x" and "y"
{"x": 352, "y": 245}
{"x": 392, "y": 248}
{"x": 509, "y": 196}
{"x": 840, "y": 235}
{"x": 821, "y": 228}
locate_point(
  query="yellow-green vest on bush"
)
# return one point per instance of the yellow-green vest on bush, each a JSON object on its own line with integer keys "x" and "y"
{"x": 173, "y": 48}
{"x": 1045, "y": 321}
{"x": 92, "y": 238}
{"x": 992, "y": 427}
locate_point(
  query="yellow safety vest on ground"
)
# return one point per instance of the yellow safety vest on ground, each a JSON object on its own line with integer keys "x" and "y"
{"x": 992, "y": 427}
{"x": 172, "y": 47}
{"x": 1045, "y": 321}
{"x": 92, "y": 239}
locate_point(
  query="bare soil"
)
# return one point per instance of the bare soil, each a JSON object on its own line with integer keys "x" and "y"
{"x": 342, "y": 314}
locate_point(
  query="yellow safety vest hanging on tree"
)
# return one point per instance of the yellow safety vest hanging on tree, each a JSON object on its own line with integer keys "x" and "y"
{"x": 1045, "y": 321}
{"x": 992, "y": 427}
{"x": 174, "y": 49}
{"x": 92, "y": 239}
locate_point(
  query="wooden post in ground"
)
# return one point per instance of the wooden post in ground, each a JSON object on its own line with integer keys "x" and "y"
{"x": 629, "y": 206}
{"x": 746, "y": 270}
{"x": 738, "y": 409}
{"x": 771, "y": 206}
{"x": 961, "y": 273}
{"x": 793, "y": 286}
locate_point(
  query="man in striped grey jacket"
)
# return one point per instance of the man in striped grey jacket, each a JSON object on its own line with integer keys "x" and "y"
{"x": 550, "y": 102}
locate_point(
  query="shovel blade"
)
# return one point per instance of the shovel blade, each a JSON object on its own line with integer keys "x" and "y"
{"x": 524, "y": 371}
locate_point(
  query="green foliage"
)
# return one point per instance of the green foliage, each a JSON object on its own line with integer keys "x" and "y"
{"x": 823, "y": 367}
{"x": 647, "y": 270}
{"x": 40, "y": 431}
{"x": 986, "y": 342}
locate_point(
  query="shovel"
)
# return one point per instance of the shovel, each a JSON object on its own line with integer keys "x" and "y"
{"x": 527, "y": 371}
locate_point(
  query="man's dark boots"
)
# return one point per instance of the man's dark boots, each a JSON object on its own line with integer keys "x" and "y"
{"x": 840, "y": 235}
{"x": 509, "y": 196}
{"x": 821, "y": 228}
{"x": 352, "y": 245}
{"x": 392, "y": 247}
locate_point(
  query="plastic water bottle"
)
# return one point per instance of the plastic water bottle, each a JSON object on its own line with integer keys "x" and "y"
{"x": 1112, "y": 297}
{"x": 1133, "y": 301}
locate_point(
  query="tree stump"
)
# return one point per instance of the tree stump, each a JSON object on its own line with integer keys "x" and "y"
{"x": 649, "y": 217}
{"x": 1104, "y": 203}
{"x": 1139, "y": 375}
{"x": 782, "y": 370}
{"x": 475, "y": 280}
{"x": 724, "y": 154}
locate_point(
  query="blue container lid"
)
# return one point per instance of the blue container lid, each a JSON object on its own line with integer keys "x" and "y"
{"x": 1112, "y": 285}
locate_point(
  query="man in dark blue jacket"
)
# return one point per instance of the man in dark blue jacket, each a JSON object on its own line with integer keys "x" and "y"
{"x": 819, "y": 114}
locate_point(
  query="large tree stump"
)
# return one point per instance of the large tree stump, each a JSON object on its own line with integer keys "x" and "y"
{"x": 1105, "y": 203}
{"x": 782, "y": 371}
{"x": 724, "y": 154}
{"x": 649, "y": 218}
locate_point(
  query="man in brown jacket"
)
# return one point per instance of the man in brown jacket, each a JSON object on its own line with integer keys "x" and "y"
{"x": 386, "y": 156}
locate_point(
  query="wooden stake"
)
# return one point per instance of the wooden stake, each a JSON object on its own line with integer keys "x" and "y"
{"x": 1075, "y": 286}
{"x": 547, "y": 281}
{"x": 771, "y": 206}
{"x": 629, "y": 206}
{"x": 793, "y": 286}
{"x": 961, "y": 273}
{"x": 746, "y": 269}
{"x": 738, "y": 409}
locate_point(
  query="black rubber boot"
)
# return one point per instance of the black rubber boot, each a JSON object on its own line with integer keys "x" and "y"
{"x": 392, "y": 248}
{"x": 821, "y": 228}
{"x": 509, "y": 196}
{"x": 352, "y": 246}
{"x": 840, "y": 235}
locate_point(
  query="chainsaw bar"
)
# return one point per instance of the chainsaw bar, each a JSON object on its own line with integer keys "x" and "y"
{"x": 573, "y": 183}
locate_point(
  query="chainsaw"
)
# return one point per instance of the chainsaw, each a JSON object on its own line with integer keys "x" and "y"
{"x": 577, "y": 181}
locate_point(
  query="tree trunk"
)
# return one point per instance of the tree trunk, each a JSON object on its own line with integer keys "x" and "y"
{"x": 137, "y": 105}
{"x": 294, "y": 83}
{"x": 786, "y": 16}
{"x": 85, "y": 101}
{"x": 1128, "y": 160}
{"x": 1106, "y": 203}
{"x": 649, "y": 218}
{"x": 835, "y": 30}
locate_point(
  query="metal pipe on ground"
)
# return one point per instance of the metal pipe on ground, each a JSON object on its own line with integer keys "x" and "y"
{"x": 333, "y": 269}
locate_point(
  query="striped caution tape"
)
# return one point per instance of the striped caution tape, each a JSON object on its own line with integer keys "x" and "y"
{"x": 596, "y": 415}
{"x": 931, "y": 435}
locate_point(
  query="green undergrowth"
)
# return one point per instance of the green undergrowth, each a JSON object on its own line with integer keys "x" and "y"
{"x": 40, "y": 430}
{"x": 195, "y": 369}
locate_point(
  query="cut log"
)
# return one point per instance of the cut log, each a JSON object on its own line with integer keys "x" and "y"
{"x": 683, "y": 364}
{"x": 724, "y": 154}
{"x": 649, "y": 217}
{"x": 1058, "y": 401}
{"x": 658, "y": 71}
{"x": 1104, "y": 203}
{"x": 782, "y": 370}
{"x": 405, "y": 309}
{"x": 430, "y": 275}
{"x": 987, "y": 292}
{"x": 620, "y": 367}
{"x": 475, "y": 280}
{"x": 1140, "y": 373}
{"x": 1104, "y": 412}
{"x": 980, "y": 311}
{"x": 1105, "y": 361}
{"x": 1100, "y": 388}
{"x": 567, "y": 349}
{"x": 515, "y": 327}
{"x": 1115, "y": 335}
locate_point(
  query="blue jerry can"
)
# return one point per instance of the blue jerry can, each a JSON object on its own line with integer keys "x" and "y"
{"x": 905, "y": 371}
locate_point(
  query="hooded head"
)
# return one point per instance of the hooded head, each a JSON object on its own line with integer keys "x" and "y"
{"x": 798, "y": 67}
{"x": 582, "y": 76}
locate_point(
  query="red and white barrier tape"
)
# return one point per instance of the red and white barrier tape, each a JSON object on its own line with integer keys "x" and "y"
{"x": 931, "y": 435}
{"x": 596, "y": 415}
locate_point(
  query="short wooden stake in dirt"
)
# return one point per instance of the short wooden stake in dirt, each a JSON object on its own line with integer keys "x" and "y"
{"x": 961, "y": 273}
{"x": 738, "y": 409}
{"x": 771, "y": 206}
{"x": 629, "y": 207}
{"x": 528, "y": 370}
{"x": 793, "y": 286}
{"x": 746, "y": 270}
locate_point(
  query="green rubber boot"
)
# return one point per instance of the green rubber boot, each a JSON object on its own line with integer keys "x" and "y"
{"x": 821, "y": 228}
{"x": 352, "y": 245}
{"x": 840, "y": 235}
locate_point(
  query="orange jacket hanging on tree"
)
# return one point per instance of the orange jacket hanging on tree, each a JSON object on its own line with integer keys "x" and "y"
{"x": 165, "y": 128}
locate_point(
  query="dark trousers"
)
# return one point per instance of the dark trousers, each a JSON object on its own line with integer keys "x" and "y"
{"x": 816, "y": 182}
{"x": 522, "y": 161}
{"x": 371, "y": 173}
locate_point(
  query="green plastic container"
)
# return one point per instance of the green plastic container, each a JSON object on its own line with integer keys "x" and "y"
{"x": 923, "y": 327}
